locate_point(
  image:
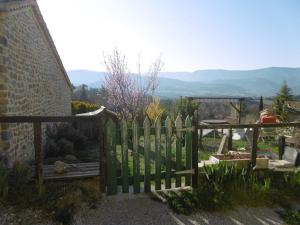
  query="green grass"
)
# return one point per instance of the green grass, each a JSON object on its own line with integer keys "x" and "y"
{"x": 211, "y": 145}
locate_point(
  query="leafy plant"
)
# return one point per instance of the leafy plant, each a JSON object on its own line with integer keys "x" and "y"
{"x": 291, "y": 217}
{"x": 64, "y": 139}
{"x": 224, "y": 186}
{"x": 3, "y": 181}
{"x": 82, "y": 107}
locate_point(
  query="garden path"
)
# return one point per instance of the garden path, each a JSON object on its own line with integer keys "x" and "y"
{"x": 129, "y": 209}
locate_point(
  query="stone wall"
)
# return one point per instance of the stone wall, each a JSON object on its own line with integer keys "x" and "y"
{"x": 32, "y": 79}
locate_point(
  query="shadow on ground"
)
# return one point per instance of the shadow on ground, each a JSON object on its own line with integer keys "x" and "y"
{"x": 129, "y": 209}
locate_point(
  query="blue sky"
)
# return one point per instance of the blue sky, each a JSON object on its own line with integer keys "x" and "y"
{"x": 188, "y": 34}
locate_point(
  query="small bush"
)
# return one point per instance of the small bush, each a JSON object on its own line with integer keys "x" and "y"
{"x": 82, "y": 107}
{"x": 64, "y": 140}
{"x": 291, "y": 217}
{"x": 3, "y": 181}
{"x": 225, "y": 186}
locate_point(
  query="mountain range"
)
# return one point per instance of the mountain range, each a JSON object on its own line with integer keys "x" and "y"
{"x": 251, "y": 83}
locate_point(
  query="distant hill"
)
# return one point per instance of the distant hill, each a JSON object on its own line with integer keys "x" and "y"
{"x": 258, "y": 82}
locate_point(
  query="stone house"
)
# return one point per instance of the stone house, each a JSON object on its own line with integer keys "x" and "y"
{"x": 33, "y": 80}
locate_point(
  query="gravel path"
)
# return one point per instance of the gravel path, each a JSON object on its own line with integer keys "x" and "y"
{"x": 129, "y": 209}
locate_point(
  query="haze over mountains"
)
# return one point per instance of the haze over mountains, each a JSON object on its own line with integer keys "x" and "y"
{"x": 265, "y": 82}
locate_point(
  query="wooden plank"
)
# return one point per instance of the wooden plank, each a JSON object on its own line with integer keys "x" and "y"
{"x": 111, "y": 158}
{"x": 142, "y": 177}
{"x": 151, "y": 154}
{"x": 38, "y": 150}
{"x": 147, "y": 181}
{"x": 281, "y": 145}
{"x": 102, "y": 159}
{"x": 168, "y": 125}
{"x": 188, "y": 150}
{"x": 230, "y": 140}
{"x": 46, "y": 119}
{"x": 178, "y": 125}
{"x": 157, "y": 155}
{"x": 222, "y": 146}
{"x": 124, "y": 149}
{"x": 136, "y": 160}
{"x": 195, "y": 150}
{"x": 237, "y": 126}
{"x": 71, "y": 176}
{"x": 254, "y": 147}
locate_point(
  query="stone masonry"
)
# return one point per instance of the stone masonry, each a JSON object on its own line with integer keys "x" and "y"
{"x": 33, "y": 80}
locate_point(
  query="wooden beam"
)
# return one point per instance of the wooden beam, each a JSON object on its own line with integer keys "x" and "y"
{"x": 195, "y": 151}
{"x": 281, "y": 145}
{"x": 229, "y": 140}
{"x": 236, "y": 126}
{"x": 254, "y": 147}
{"x": 236, "y": 108}
{"x": 46, "y": 119}
{"x": 102, "y": 159}
{"x": 222, "y": 146}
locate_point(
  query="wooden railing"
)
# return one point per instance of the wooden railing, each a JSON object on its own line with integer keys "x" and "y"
{"x": 37, "y": 122}
{"x": 255, "y": 128}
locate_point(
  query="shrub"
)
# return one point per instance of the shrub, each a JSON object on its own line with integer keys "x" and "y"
{"x": 225, "y": 186}
{"x": 82, "y": 107}
{"x": 64, "y": 140}
{"x": 3, "y": 181}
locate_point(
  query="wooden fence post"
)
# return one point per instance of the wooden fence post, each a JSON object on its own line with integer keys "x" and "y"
{"x": 124, "y": 149}
{"x": 195, "y": 151}
{"x": 168, "y": 125}
{"x": 111, "y": 158}
{"x": 178, "y": 126}
{"x": 136, "y": 160}
{"x": 188, "y": 149}
{"x": 37, "y": 127}
{"x": 157, "y": 155}
{"x": 147, "y": 146}
{"x": 230, "y": 139}
{"x": 281, "y": 145}
{"x": 102, "y": 160}
{"x": 254, "y": 147}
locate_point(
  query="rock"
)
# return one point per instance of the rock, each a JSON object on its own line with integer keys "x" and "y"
{"x": 70, "y": 158}
{"x": 60, "y": 167}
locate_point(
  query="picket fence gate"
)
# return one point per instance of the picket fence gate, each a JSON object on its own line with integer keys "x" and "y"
{"x": 156, "y": 150}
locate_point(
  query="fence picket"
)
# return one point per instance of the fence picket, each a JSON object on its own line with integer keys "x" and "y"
{"x": 124, "y": 145}
{"x": 157, "y": 155}
{"x": 178, "y": 125}
{"x": 147, "y": 181}
{"x": 111, "y": 158}
{"x": 136, "y": 160}
{"x": 188, "y": 150}
{"x": 168, "y": 125}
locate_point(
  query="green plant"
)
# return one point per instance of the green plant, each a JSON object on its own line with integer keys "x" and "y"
{"x": 19, "y": 190}
{"x": 291, "y": 217}
{"x": 224, "y": 186}
{"x": 82, "y": 107}
{"x": 40, "y": 187}
{"x": 63, "y": 140}
{"x": 3, "y": 181}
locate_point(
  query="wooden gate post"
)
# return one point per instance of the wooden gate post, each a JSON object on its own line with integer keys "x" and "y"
{"x": 37, "y": 127}
{"x": 230, "y": 139}
{"x": 102, "y": 156}
{"x": 195, "y": 151}
{"x": 281, "y": 144}
{"x": 254, "y": 146}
